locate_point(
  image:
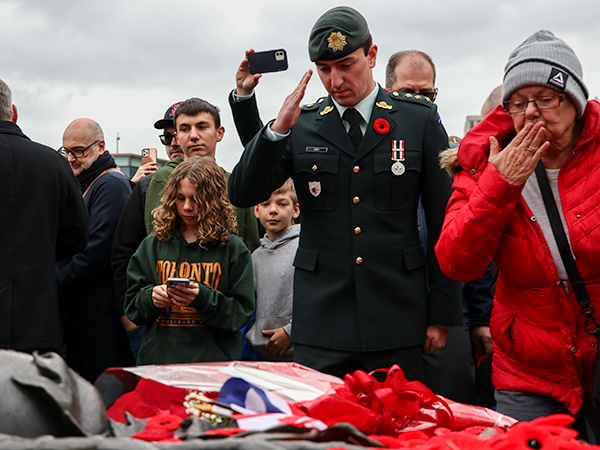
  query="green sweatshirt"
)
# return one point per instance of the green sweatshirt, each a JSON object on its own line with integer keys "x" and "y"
{"x": 206, "y": 330}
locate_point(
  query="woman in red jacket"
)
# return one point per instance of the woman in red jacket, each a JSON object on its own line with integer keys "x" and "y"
{"x": 543, "y": 359}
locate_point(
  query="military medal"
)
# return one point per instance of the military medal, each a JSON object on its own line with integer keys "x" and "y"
{"x": 398, "y": 156}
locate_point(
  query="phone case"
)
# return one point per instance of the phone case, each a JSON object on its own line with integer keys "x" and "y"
{"x": 172, "y": 282}
{"x": 148, "y": 155}
{"x": 268, "y": 61}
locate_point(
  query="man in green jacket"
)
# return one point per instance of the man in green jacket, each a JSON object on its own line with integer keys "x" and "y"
{"x": 198, "y": 130}
{"x": 360, "y": 158}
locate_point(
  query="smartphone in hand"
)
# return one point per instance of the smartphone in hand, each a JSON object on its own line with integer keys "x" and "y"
{"x": 148, "y": 155}
{"x": 172, "y": 282}
{"x": 267, "y": 61}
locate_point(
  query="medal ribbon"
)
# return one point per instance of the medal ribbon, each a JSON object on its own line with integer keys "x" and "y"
{"x": 397, "y": 150}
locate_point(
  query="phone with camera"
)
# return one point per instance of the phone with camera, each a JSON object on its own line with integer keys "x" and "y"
{"x": 172, "y": 282}
{"x": 148, "y": 155}
{"x": 268, "y": 61}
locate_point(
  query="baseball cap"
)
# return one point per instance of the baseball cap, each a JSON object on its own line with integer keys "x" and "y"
{"x": 167, "y": 121}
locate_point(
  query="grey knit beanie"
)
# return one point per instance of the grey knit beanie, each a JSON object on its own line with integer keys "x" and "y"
{"x": 545, "y": 60}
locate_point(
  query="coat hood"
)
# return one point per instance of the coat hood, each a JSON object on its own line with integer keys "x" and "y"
{"x": 289, "y": 234}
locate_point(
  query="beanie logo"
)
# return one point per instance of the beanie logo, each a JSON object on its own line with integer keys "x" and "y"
{"x": 558, "y": 78}
{"x": 337, "y": 41}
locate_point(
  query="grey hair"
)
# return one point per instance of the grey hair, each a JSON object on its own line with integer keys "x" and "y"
{"x": 6, "y": 111}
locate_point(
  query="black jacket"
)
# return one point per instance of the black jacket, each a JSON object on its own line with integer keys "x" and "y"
{"x": 94, "y": 335}
{"x": 129, "y": 234}
{"x": 43, "y": 219}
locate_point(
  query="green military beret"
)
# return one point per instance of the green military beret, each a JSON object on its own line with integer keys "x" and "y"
{"x": 337, "y": 33}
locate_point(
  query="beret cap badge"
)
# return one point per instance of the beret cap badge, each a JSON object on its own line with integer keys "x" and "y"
{"x": 337, "y": 41}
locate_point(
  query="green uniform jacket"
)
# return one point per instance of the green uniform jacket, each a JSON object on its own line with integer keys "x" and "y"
{"x": 246, "y": 220}
{"x": 360, "y": 280}
{"x": 206, "y": 330}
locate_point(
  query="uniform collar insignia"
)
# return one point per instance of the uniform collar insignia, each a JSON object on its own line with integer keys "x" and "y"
{"x": 383, "y": 105}
{"x": 326, "y": 110}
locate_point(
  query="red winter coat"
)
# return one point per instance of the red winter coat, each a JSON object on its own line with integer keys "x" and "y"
{"x": 540, "y": 342}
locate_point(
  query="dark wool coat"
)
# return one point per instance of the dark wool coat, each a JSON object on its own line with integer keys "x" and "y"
{"x": 43, "y": 219}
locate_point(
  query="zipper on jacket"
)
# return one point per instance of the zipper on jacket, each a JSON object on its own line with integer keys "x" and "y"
{"x": 565, "y": 285}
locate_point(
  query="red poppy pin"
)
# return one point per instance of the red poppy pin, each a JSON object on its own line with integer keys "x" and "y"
{"x": 381, "y": 126}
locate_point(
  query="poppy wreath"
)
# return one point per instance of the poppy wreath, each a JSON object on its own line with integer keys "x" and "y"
{"x": 381, "y": 126}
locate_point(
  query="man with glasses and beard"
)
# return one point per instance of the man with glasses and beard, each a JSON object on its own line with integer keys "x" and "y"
{"x": 94, "y": 337}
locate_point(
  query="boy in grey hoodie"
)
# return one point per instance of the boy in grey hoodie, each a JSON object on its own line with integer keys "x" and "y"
{"x": 274, "y": 274}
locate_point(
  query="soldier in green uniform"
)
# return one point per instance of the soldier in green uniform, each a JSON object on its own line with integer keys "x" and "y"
{"x": 359, "y": 158}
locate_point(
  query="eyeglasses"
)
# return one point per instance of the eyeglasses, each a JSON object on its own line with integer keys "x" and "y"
{"x": 77, "y": 152}
{"x": 541, "y": 103}
{"x": 166, "y": 138}
{"x": 431, "y": 95}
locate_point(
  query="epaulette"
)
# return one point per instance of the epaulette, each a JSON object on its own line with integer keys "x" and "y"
{"x": 407, "y": 96}
{"x": 312, "y": 106}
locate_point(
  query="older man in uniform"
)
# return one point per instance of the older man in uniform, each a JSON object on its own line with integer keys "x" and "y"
{"x": 360, "y": 158}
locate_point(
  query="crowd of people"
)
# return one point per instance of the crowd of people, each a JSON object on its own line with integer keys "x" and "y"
{"x": 385, "y": 241}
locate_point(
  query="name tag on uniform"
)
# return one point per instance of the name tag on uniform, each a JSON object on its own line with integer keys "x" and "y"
{"x": 316, "y": 149}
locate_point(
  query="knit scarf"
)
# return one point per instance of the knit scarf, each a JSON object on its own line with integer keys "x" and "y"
{"x": 104, "y": 161}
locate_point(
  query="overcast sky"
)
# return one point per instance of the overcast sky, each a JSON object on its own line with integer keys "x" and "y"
{"x": 123, "y": 62}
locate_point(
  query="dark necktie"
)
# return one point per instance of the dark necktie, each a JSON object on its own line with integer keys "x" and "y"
{"x": 353, "y": 117}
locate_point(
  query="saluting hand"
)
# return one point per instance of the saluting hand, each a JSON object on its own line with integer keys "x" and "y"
{"x": 517, "y": 161}
{"x": 245, "y": 82}
{"x": 290, "y": 111}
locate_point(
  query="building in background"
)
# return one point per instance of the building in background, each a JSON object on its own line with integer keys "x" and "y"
{"x": 129, "y": 162}
{"x": 471, "y": 121}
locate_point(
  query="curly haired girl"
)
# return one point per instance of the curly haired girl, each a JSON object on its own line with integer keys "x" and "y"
{"x": 193, "y": 238}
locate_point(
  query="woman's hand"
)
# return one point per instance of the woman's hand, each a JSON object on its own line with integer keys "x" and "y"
{"x": 517, "y": 161}
{"x": 182, "y": 295}
{"x": 160, "y": 297}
